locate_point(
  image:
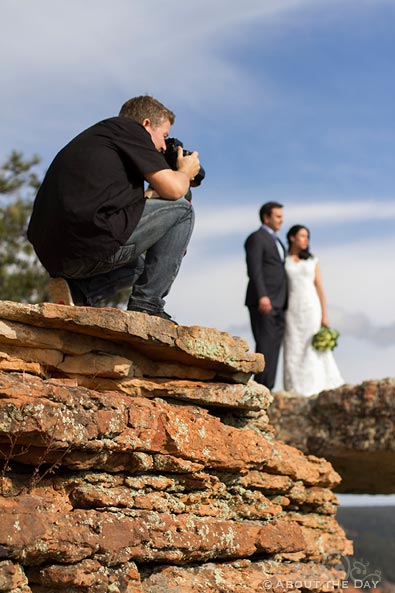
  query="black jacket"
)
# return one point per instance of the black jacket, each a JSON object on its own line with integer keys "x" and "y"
{"x": 265, "y": 270}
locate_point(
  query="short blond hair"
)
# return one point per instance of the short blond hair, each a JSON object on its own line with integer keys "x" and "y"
{"x": 147, "y": 107}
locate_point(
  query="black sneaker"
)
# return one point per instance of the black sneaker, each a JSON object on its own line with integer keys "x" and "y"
{"x": 158, "y": 313}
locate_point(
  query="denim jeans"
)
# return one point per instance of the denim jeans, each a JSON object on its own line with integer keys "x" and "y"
{"x": 149, "y": 260}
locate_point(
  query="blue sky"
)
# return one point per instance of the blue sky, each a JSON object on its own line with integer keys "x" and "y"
{"x": 289, "y": 100}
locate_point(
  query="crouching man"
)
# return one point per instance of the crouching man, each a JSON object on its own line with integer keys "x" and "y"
{"x": 92, "y": 227}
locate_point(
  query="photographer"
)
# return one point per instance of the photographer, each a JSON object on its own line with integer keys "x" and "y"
{"x": 91, "y": 222}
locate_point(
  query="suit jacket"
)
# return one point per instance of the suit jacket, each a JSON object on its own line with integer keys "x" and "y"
{"x": 265, "y": 270}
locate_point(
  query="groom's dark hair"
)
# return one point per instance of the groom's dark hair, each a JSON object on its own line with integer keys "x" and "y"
{"x": 267, "y": 209}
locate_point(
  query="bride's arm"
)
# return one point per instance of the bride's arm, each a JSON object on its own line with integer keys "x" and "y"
{"x": 321, "y": 294}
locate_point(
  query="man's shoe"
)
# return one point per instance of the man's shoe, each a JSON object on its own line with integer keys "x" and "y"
{"x": 59, "y": 292}
{"x": 158, "y": 313}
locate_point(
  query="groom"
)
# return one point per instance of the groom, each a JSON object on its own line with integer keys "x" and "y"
{"x": 267, "y": 289}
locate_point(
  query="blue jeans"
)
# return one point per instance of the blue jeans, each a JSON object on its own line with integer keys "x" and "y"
{"x": 149, "y": 260}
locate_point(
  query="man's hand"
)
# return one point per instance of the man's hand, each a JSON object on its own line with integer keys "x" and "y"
{"x": 264, "y": 305}
{"x": 189, "y": 164}
{"x": 172, "y": 185}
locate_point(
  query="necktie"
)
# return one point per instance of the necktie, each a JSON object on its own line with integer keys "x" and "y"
{"x": 280, "y": 247}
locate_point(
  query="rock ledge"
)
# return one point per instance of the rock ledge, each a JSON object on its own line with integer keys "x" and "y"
{"x": 137, "y": 457}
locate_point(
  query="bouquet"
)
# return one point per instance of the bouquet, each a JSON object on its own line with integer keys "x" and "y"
{"x": 325, "y": 339}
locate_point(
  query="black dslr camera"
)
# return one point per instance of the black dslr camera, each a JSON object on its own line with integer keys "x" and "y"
{"x": 170, "y": 155}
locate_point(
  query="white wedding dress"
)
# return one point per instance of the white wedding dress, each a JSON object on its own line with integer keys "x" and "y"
{"x": 306, "y": 370}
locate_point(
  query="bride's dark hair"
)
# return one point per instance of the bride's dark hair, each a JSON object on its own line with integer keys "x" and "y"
{"x": 293, "y": 231}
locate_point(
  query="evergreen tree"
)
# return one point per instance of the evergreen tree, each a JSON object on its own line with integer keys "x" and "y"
{"x": 22, "y": 278}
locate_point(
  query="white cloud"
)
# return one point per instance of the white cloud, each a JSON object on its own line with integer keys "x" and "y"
{"x": 210, "y": 290}
{"x": 137, "y": 44}
{"x": 360, "y": 278}
{"x": 75, "y": 51}
{"x": 229, "y": 220}
{"x": 360, "y": 360}
{"x": 71, "y": 63}
{"x": 359, "y": 325}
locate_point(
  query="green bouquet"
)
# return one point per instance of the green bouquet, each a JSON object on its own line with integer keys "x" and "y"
{"x": 325, "y": 339}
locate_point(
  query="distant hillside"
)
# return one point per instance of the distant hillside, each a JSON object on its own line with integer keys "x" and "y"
{"x": 373, "y": 531}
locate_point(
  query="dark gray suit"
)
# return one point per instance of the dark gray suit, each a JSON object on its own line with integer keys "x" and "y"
{"x": 266, "y": 278}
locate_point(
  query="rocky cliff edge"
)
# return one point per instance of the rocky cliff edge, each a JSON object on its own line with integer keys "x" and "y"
{"x": 352, "y": 426}
{"x": 137, "y": 457}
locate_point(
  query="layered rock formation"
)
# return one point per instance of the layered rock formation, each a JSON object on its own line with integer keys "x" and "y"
{"x": 353, "y": 427}
{"x": 138, "y": 458}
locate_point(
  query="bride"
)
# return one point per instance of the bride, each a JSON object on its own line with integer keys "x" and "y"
{"x": 306, "y": 370}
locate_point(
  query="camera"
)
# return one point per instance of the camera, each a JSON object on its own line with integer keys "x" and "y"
{"x": 170, "y": 155}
